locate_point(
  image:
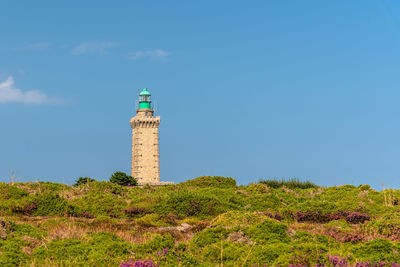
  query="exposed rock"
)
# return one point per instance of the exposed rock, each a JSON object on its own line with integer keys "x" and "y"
{"x": 239, "y": 237}
{"x": 27, "y": 250}
{"x": 200, "y": 226}
{"x": 291, "y": 232}
{"x": 167, "y": 228}
{"x": 3, "y": 233}
{"x": 4, "y": 226}
{"x": 33, "y": 242}
{"x": 184, "y": 227}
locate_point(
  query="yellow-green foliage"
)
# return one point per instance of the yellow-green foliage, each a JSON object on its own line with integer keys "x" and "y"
{"x": 237, "y": 218}
{"x": 99, "y": 249}
{"x": 211, "y": 181}
{"x": 273, "y": 223}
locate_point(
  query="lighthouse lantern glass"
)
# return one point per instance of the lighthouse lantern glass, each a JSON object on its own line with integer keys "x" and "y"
{"x": 144, "y": 98}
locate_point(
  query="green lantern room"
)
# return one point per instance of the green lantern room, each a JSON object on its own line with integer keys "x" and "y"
{"x": 144, "y": 99}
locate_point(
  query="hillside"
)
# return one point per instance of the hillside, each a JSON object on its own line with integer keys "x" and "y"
{"x": 207, "y": 221}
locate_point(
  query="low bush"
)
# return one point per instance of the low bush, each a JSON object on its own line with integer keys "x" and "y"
{"x": 83, "y": 180}
{"x": 319, "y": 217}
{"x": 237, "y": 218}
{"x": 101, "y": 249}
{"x": 156, "y": 242}
{"x": 11, "y": 192}
{"x": 275, "y": 216}
{"x": 211, "y": 181}
{"x": 312, "y": 216}
{"x": 387, "y": 226}
{"x": 355, "y": 217}
{"x": 108, "y": 187}
{"x": 269, "y": 231}
{"x": 190, "y": 203}
{"x": 364, "y": 187}
{"x": 14, "y": 237}
{"x": 291, "y": 183}
{"x": 99, "y": 203}
{"x": 122, "y": 178}
{"x": 377, "y": 250}
{"x": 23, "y": 207}
{"x": 133, "y": 211}
{"x": 258, "y": 188}
{"x": 50, "y": 204}
{"x": 211, "y": 236}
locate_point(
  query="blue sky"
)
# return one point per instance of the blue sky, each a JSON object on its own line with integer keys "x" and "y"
{"x": 247, "y": 89}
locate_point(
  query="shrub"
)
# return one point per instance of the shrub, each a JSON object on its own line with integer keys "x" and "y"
{"x": 211, "y": 236}
{"x": 50, "y": 204}
{"x": 275, "y": 216}
{"x": 45, "y": 204}
{"x": 122, "y": 178}
{"x": 23, "y": 207}
{"x": 137, "y": 211}
{"x": 355, "y": 217}
{"x": 138, "y": 263}
{"x": 269, "y": 254}
{"x": 101, "y": 249}
{"x": 364, "y": 187}
{"x": 291, "y": 183}
{"x": 388, "y": 226}
{"x": 237, "y": 218}
{"x": 156, "y": 242}
{"x": 257, "y": 188}
{"x": 377, "y": 250}
{"x": 13, "y": 238}
{"x": 319, "y": 217}
{"x": 99, "y": 203}
{"x": 41, "y": 187}
{"x": 86, "y": 215}
{"x": 22, "y": 229}
{"x": 83, "y": 180}
{"x": 108, "y": 187}
{"x": 11, "y": 254}
{"x": 188, "y": 203}
{"x": 268, "y": 231}
{"x": 312, "y": 216}
{"x": 211, "y": 181}
{"x": 11, "y": 192}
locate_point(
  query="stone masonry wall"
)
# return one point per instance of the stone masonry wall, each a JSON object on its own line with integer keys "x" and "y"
{"x": 145, "y": 148}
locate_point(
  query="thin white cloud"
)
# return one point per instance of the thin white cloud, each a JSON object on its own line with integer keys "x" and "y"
{"x": 39, "y": 46}
{"x": 153, "y": 54}
{"x": 99, "y": 48}
{"x": 8, "y": 93}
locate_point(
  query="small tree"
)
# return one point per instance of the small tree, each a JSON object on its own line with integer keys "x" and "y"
{"x": 83, "y": 180}
{"x": 122, "y": 178}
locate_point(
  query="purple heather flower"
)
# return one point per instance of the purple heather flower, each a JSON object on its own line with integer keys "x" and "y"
{"x": 165, "y": 251}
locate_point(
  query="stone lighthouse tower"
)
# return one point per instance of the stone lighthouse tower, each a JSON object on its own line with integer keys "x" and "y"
{"x": 145, "y": 150}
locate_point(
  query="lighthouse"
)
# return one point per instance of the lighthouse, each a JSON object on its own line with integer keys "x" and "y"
{"x": 145, "y": 143}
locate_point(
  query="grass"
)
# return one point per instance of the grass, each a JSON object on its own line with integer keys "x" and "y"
{"x": 293, "y": 183}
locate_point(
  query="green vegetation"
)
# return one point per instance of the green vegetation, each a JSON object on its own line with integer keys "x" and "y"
{"x": 83, "y": 180}
{"x": 122, "y": 178}
{"x": 195, "y": 223}
{"x": 291, "y": 183}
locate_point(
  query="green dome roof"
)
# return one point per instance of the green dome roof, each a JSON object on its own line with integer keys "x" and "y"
{"x": 144, "y": 92}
